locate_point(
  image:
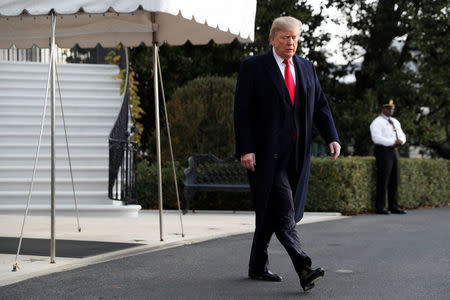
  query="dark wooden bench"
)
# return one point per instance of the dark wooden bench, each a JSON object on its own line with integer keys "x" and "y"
{"x": 207, "y": 173}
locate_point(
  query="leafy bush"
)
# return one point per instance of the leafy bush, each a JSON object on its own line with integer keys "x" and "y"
{"x": 201, "y": 118}
{"x": 344, "y": 185}
{"x": 424, "y": 182}
{"x": 147, "y": 185}
{"x": 348, "y": 185}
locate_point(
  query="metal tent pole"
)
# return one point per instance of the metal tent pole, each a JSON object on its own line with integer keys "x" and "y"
{"x": 170, "y": 146}
{"x": 157, "y": 125}
{"x": 158, "y": 138}
{"x": 53, "y": 92}
{"x": 36, "y": 159}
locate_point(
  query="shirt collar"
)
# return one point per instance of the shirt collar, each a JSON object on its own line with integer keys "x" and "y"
{"x": 385, "y": 117}
{"x": 279, "y": 59}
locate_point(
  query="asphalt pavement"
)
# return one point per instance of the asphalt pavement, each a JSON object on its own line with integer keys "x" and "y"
{"x": 365, "y": 257}
{"x": 108, "y": 236}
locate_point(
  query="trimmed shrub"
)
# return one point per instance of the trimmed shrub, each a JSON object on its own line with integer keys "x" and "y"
{"x": 348, "y": 185}
{"x": 147, "y": 185}
{"x": 201, "y": 118}
{"x": 344, "y": 185}
{"x": 424, "y": 182}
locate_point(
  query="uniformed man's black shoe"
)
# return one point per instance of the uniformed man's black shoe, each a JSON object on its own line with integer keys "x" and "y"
{"x": 309, "y": 276}
{"x": 265, "y": 276}
{"x": 398, "y": 211}
{"x": 383, "y": 212}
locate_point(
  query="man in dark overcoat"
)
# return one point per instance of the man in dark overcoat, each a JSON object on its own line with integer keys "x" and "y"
{"x": 278, "y": 98}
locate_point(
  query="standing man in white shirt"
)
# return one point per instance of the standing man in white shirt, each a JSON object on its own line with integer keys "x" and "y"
{"x": 387, "y": 134}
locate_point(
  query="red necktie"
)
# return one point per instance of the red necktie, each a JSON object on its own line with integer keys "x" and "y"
{"x": 289, "y": 80}
{"x": 290, "y": 85}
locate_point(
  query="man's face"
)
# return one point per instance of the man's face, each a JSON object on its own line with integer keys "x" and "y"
{"x": 285, "y": 43}
{"x": 388, "y": 111}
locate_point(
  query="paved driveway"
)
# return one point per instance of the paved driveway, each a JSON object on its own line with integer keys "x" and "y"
{"x": 365, "y": 257}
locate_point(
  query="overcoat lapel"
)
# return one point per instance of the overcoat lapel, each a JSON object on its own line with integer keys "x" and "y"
{"x": 277, "y": 79}
{"x": 300, "y": 111}
{"x": 300, "y": 87}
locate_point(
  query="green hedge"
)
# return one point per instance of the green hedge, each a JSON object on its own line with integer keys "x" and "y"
{"x": 424, "y": 182}
{"x": 147, "y": 185}
{"x": 346, "y": 185}
{"x": 201, "y": 118}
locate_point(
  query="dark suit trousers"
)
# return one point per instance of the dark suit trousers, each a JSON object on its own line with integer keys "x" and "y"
{"x": 387, "y": 177}
{"x": 278, "y": 219}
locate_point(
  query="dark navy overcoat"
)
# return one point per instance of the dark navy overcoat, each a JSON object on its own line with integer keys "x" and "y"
{"x": 265, "y": 122}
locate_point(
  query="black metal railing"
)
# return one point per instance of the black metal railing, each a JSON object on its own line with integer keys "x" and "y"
{"x": 123, "y": 158}
{"x": 122, "y": 151}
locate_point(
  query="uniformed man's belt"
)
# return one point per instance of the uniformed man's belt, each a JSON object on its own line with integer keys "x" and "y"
{"x": 381, "y": 147}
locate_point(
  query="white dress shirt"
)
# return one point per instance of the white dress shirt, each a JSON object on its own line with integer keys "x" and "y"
{"x": 282, "y": 66}
{"x": 383, "y": 133}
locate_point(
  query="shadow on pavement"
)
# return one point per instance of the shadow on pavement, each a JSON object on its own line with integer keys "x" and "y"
{"x": 64, "y": 248}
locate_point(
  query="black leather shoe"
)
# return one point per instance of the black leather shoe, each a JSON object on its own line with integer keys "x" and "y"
{"x": 308, "y": 286}
{"x": 309, "y": 276}
{"x": 398, "y": 211}
{"x": 383, "y": 212}
{"x": 265, "y": 276}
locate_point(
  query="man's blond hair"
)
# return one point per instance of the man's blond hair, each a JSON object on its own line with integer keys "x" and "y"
{"x": 285, "y": 23}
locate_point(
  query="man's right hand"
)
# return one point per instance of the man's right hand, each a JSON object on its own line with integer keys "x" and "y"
{"x": 249, "y": 161}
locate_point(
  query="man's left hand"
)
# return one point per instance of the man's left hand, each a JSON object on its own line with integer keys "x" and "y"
{"x": 335, "y": 150}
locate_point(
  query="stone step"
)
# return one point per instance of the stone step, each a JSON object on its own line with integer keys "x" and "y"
{"x": 61, "y": 197}
{"x": 61, "y": 172}
{"x": 41, "y": 83}
{"x": 85, "y": 149}
{"x": 42, "y": 68}
{"x": 68, "y": 92}
{"x": 68, "y": 100}
{"x": 71, "y": 127}
{"x": 79, "y": 137}
{"x": 92, "y": 101}
{"x": 71, "y": 119}
{"x": 61, "y": 185}
{"x": 24, "y": 160}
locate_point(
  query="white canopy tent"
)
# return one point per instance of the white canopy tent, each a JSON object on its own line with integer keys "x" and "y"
{"x": 47, "y": 23}
{"x": 110, "y": 22}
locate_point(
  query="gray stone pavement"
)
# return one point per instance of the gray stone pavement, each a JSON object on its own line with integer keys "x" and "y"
{"x": 107, "y": 237}
{"x": 365, "y": 257}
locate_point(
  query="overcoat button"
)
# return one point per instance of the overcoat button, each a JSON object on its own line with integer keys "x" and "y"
{"x": 275, "y": 156}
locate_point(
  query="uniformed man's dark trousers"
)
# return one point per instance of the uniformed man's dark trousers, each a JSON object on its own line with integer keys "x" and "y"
{"x": 387, "y": 177}
{"x": 279, "y": 219}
